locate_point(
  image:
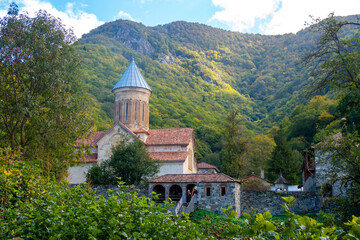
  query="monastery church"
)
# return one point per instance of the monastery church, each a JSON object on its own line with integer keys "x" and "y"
{"x": 174, "y": 148}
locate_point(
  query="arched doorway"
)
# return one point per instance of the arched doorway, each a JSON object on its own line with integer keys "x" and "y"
{"x": 190, "y": 187}
{"x": 160, "y": 191}
{"x": 175, "y": 193}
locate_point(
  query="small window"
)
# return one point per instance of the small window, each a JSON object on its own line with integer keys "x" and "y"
{"x": 127, "y": 111}
{"x": 120, "y": 111}
{"x": 327, "y": 190}
{"x": 223, "y": 191}
{"x": 135, "y": 110}
{"x": 208, "y": 190}
{"x": 143, "y": 112}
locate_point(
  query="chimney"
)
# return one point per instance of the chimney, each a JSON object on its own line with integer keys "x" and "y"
{"x": 262, "y": 174}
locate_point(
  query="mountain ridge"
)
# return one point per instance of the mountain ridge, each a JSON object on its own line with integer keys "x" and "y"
{"x": 198, "y": 73}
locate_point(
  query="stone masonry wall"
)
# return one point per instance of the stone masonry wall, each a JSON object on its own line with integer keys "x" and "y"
{"x": 271, "y": 201}
{"x": 103, "y": 189}
{"x": 215, "y": 202}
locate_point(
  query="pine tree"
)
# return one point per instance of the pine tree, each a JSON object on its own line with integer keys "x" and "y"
{"x": 283, "y": 159}
{"x": 234, "y": 162}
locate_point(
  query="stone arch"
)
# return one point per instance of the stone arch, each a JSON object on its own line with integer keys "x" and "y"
{"x": 175, "y": 192}
{"x": 160, "y": 191}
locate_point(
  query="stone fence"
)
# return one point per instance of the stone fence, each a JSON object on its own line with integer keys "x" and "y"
{"x": 269, "y": 201}
{"x": 266, "y": 201}
{"x": 103, "y": 189}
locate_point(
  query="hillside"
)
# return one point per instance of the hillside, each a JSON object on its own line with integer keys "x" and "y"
{"x": 197, "y": 74}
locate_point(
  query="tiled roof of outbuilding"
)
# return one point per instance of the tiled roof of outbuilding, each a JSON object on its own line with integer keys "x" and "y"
{"x": 206, "y": 165}
{"x": 132, "y": 78}
{"x": 194, "y": 177}
{"x": 171, "y": 136}
{"x": 253, "y": 177}
{"x": 281, "y": 180}
{"x": 169, "y": 156}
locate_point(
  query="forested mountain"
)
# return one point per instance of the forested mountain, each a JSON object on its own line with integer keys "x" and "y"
{"x": 197, "y": 74}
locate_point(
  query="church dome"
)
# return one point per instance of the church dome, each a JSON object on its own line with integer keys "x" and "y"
{"x": 132, "y": 78}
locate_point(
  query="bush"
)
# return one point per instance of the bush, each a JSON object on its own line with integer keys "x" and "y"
{"x": 77, "y": 213}
{"x": 255, "y": 185}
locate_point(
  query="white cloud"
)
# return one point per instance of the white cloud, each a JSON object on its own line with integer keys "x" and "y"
{"x": 241, "y": 15}
{"x": 125, "y": 15}
{"x": 73, "y": 17}
{"x": 293, "y": 14}
{"x": 278, "y": 16}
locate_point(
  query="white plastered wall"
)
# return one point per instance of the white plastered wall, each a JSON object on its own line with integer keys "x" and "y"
{"x": 111, "y": 139}
{"x": 77, "y": 174}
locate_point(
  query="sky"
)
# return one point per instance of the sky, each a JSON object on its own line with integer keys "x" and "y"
{"x": 247, "y": 16}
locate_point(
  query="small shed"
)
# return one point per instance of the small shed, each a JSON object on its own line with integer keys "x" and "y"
{"x": 281, "y": 184}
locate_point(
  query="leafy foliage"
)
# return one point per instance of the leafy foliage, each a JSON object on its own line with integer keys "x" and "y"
{"x": 20, "y": 181}
{"x": 234, "y": 163}
{"x": 284, "y": 160}
{"x": 77, "y": 213}
{"x": 42, "y": 104}
{"x": 130, "y": 162}
{"x": 255, "y": 185}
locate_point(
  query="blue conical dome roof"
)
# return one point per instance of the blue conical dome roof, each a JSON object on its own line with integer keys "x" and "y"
{"x": 132, "y": 78}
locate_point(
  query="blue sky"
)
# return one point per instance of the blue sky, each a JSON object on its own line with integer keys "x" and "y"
{"x": 250, "y": 16}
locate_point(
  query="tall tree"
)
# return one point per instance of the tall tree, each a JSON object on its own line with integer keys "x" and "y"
{"x": 335, "y": 59}
{"x": 234, "y": 163}
{"x": 259, "y": 152}
{"x": 42, "y": 102}
{"x": 129, "y": 161}
{"x": 283, "y": 160}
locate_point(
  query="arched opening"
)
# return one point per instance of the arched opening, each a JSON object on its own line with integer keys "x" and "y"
{"x": 160, "y": 191}
{"x": 175, "y": 192}
{"x": 189, "y": 187}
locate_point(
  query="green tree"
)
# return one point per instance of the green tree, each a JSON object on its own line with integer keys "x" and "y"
{"x": 259, "y": 152}
{"x": 129, "y": 161}
{"x": 336, "y": 59}
{"x": 283, "y": 159}
{"x": 235, "y": 145}
{"x": 42, "y": 103}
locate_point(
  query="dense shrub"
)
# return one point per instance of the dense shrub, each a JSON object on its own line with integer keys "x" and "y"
{"x": 77, "y": 213}
{"x": 255, "y": 185}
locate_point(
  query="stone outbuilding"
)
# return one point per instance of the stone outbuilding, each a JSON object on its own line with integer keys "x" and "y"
{"x": 207, "y": 168}
{"x": 215, "y": 190}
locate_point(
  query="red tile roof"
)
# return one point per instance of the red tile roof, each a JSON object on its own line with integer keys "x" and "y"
{"x": 194, "y": 177}
{"x": 252, "y": 177}
{"x": 206, "y": 165}
{"x": 169, "y": 156}
{"x": 91, "y": 158}
{"x": 91, "y": 139}
{"x": 172, "y": 136}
